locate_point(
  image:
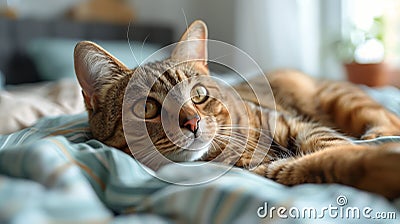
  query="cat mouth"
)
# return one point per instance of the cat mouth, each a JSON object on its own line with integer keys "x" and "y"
{"x": 192, "y": 145}
{"x": 197, "y": 141}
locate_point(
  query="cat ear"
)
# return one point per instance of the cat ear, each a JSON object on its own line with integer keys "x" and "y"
{"x": 95, "y": 68}
{"x": 193, "y": 44}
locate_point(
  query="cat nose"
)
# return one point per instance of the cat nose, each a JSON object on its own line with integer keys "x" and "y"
{"x": 192, "y": 123}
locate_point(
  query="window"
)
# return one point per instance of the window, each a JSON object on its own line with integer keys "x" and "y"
{"x": 380, "y": 19}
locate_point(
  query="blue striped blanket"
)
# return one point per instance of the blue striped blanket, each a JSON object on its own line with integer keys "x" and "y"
{"x": 54, "y": 172}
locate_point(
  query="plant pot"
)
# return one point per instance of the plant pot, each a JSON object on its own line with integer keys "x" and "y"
{"x": 372, "y": 75}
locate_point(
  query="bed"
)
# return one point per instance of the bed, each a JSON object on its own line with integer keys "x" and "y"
{"x": 53, "y": 171}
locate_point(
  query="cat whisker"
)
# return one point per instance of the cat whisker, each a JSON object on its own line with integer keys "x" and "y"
{"x": 219, "y": 57}
{"x": 144, "y": 41}
{"x": 246, "y": 136}
{"x": 254, "y": 143}
{"x": 262, "y": 137}
{"x": 246, "y": 128}
{"x": 129, "y": 43}
{"x": 228, "y": 127}
{"x": 184, "y": 16}
{"x": 187, "y": 27}
{"x": 231, "y": 149}
{"x": 236, "y": 144}
{"x": 236, "y": 149}
{"x": 233, "y": 141}
{"x": 215, "y": 145}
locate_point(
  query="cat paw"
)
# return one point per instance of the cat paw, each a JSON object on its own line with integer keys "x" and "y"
{"x": 381, "y": 170}
{"x": 260, "y": 170}
{"x": 285, "y": 172}
{"x": 380, "y": 131}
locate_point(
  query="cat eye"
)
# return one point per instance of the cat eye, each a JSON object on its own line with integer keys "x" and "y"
{"x": 199, "y": 94}
{"x": 147, "y": 109}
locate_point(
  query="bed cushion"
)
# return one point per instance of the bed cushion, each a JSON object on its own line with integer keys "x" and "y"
{"x": 54, "y": 172}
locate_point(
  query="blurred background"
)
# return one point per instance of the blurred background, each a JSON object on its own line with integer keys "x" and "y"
{"x": 336, "y": 39}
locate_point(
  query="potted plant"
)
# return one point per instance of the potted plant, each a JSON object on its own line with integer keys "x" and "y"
{"x": 362, "y": 53}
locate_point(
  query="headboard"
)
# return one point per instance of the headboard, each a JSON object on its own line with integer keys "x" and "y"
{"x": 15, "y": 34}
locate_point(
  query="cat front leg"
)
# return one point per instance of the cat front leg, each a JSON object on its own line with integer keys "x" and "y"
{"x": 371, "y": 168}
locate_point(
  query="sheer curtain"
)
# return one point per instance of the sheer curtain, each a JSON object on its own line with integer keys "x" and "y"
{"x": 296, "y": 34}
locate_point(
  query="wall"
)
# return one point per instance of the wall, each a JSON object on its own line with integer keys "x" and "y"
{"x": 41, "y": 9}
{"x": 276, "y": 34}
{"x": 219, "y": 15}
{"x": 284, "y": 33}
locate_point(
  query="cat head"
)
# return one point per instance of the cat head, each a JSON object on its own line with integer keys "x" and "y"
{"x": 170, "y": 108}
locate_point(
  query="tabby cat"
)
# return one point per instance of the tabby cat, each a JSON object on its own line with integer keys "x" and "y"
{"x": 305, "y": 138}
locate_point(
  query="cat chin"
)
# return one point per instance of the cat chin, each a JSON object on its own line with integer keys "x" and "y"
{"x": 187, "y": 155}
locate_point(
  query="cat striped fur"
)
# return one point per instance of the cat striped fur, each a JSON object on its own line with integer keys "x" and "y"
{"x": 302, "y": 133}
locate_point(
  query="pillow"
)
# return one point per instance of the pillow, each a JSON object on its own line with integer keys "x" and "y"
{"x": 22, "y": 105}
{"x": 53, "y": 58}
